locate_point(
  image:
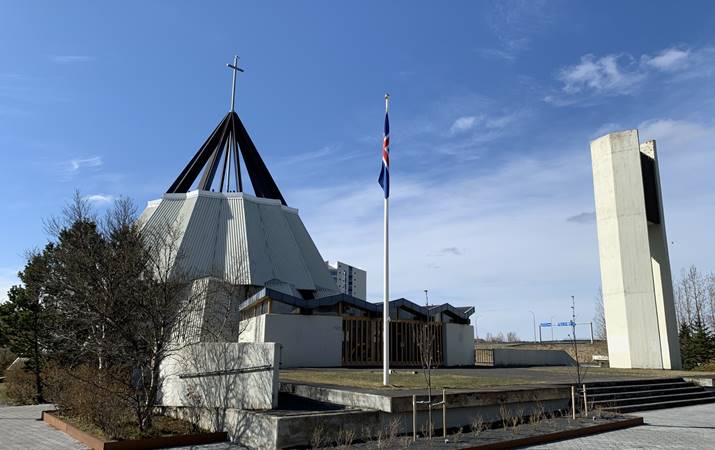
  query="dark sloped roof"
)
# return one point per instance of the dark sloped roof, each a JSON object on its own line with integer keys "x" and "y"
{"x": 462, "y": 313}
{"x": 223, "y": 147}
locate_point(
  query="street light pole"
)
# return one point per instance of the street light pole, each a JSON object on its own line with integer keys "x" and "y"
{"x": 533, "y": 323}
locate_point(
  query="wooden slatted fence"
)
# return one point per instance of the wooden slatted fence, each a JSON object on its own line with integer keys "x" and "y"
{"x": 362, "y": 342}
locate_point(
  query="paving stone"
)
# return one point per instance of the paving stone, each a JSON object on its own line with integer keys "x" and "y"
{"x": 22, "y": 429}
{"x": 691, "y": 427}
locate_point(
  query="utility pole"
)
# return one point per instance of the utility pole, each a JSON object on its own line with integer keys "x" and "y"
{"x": 573, "y": 335}
{"x": 533, "y": 323}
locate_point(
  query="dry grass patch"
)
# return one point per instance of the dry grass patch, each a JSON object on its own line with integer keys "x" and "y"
{"x": 372, "y": 379}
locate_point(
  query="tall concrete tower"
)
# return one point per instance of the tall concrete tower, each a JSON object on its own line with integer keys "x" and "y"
{"x": 635, "y": 268}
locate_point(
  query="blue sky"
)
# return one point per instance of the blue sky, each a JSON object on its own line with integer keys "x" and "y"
{"x": 493, "y": 107}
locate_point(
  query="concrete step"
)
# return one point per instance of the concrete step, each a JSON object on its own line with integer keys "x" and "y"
{"x": 622, "y": 402}
{"x": 597, "y": 389}
{"x": 686, "y": 388}
{"x": 634, "y": 382}
{"x": 661, "y": 405}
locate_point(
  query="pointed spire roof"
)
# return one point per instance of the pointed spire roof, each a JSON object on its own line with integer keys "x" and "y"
{"x": 223, "y": 149}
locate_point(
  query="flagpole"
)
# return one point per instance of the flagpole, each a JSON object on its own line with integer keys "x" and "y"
{"x": 386, "y": 289}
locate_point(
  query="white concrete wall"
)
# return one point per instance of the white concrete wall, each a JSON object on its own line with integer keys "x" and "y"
{"x": 204, "y": 387}
{"x": 632, "y": 317}
{"x": 458, "y": 344}
{"x": 307, "y": 341}
{"x": 506, "y": 357}
{"x": 662, "y": 278}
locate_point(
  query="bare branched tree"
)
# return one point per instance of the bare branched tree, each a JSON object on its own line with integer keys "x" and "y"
{"x": 426, "y": 340}
{"x": 694, "y": 297}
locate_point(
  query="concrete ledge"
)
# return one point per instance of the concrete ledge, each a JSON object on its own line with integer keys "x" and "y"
{"x": 518, "y": 357}
{"x": 702, "y": 381}
{"x": 131, "y": 444}
{"x": 395, "y": 401}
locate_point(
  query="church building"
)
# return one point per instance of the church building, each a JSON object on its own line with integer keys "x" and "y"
{"x": 281, "y": 289}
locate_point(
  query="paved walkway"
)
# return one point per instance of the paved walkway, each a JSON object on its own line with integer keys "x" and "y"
{"x": 690, "y": 427}
{"x": 21, "y": 429}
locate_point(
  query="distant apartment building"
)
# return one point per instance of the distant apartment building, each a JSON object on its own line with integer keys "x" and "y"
{"x": 350, "y": 280}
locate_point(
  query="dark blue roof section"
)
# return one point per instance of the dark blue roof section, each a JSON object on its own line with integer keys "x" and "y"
{"x": 462, "y": 312}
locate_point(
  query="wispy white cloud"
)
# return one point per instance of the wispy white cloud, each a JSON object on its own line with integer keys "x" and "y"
{"x": 496, "y": 53}
{"x": 674, "y": 132}
{"x": 464, "y": 123}
{"x": 75, "y": 165}
{"x": 69, "y": 59}
{"x": 514, "y": 23}
{"x": 669, "y": 59}
{"x": 470, "y": 123}
{"x": 69, "y": 169}
{"x": 99, "y": 199}
{"x": 610, "y": 74}
{"x": 597, "y": 77}
{"x": 450, "y": 251}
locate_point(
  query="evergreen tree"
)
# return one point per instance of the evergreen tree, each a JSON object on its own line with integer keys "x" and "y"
{"x": 23, "y": 318}
{"x": 685, "y": 346}
{"x": 697, "y": 344}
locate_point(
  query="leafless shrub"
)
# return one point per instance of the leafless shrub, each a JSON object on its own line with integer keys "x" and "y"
{"x": 195, "y": 405}
{"x": 478, "y": 426}
{"x": 515, "y": 420}
{"x": 537, "y": 414}
{"x": 427, "y": 431}
{"x": 405, "y": 441}
{"x": 388, "y": 435}
{"x": 504, "y": 415}
{"x": 393, "y": 429}
{"x": 458, "y": 435}
{"x": 93, "y": 396}
{"x": 318, "y": 437}
{"x": 20, "y": 386}
{"x": 346, "y": 437}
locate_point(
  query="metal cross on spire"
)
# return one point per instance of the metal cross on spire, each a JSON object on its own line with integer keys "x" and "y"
{"x": 234, "y": 67}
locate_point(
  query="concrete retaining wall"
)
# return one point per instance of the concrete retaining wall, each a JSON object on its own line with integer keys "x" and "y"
{"x": 458, "y": 345}
{"x": 307, "y": 341}
{"x": 509, "y": 357}
{"x": 209, "y": 374}
{"x": 270, "y": 430}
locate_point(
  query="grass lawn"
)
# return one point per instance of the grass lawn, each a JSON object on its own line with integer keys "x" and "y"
{"x": 402, "y": 379}
{"x": 414, "y": 379}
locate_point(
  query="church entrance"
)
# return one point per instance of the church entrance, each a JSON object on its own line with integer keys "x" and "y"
{"x": 409, "y": 341}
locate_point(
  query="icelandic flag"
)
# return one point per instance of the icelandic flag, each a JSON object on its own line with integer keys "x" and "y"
{"x": 384, "y": 179}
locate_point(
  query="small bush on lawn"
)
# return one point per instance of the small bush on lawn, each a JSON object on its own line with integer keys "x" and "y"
{"x": 20, "y": 386}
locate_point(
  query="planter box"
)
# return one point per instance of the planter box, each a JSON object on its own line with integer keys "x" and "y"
{"x": 131, "y": 444}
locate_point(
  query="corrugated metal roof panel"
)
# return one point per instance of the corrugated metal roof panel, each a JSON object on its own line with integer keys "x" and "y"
{"x": 241, "y": 239}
